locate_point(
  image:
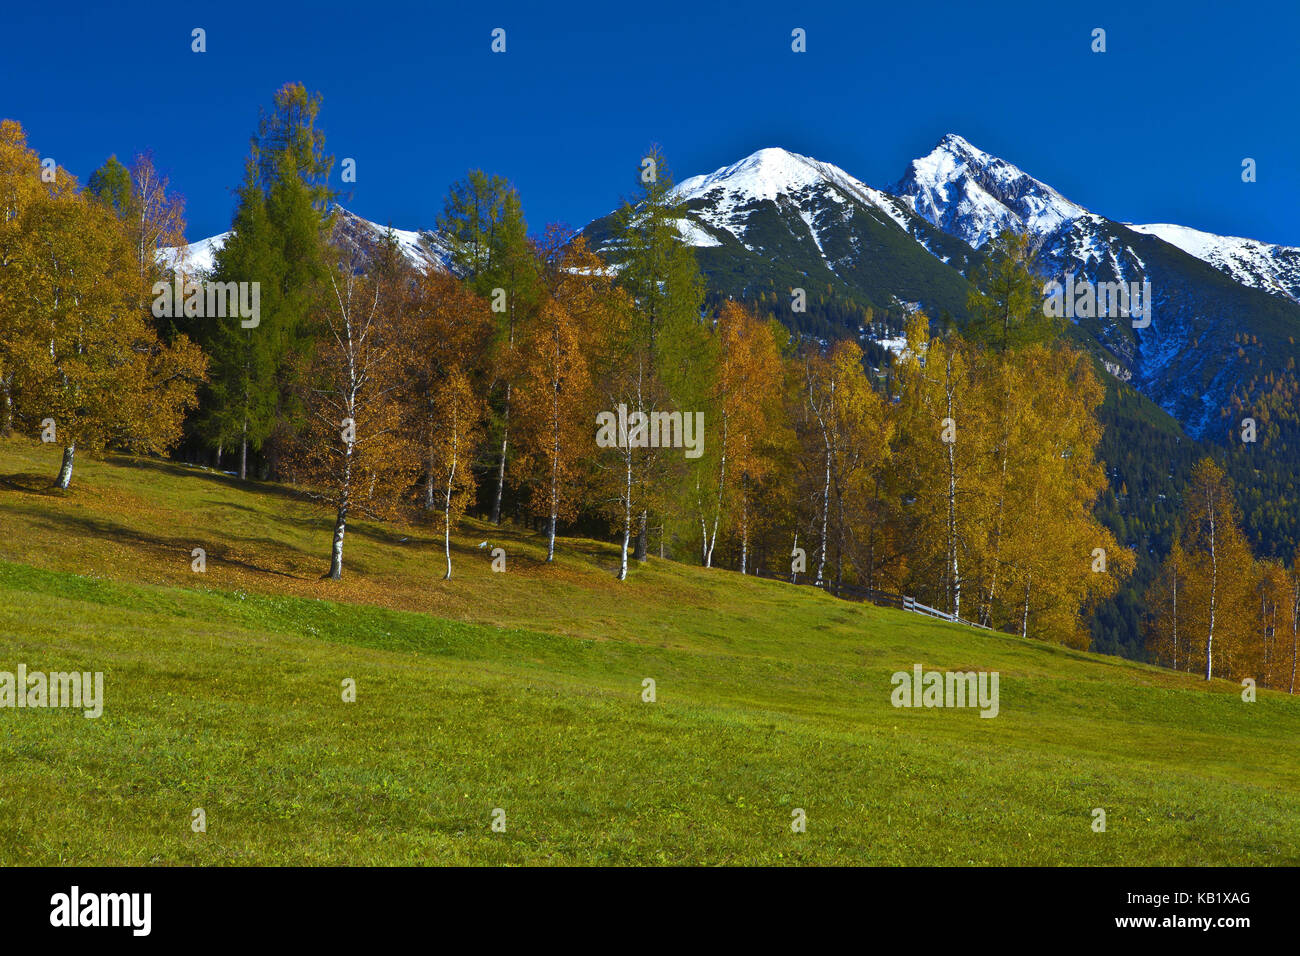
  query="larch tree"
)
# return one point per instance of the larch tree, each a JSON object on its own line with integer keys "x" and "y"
{"x": 661, "y": 274}
{"x": 1006, "y": 300}
{"x": 747, "y": 412}
{"x": 557, "y": 397}
{"x": 447, "y": 330}
{"x": 483, "y": 220}
{"x": 278, "y": 241}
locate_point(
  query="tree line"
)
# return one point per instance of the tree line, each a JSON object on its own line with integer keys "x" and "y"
{"x": 534, "y": 372}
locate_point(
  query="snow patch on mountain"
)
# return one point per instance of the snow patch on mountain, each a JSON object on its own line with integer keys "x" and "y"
{"x": 193, "y": 259}
{"x": 1260, "y": 265}
{"x": 975, "y": 195}
{"x": 424, "y": 250}
{"x": 724, "y": 198}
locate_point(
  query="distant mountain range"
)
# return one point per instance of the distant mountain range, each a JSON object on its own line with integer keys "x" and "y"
{"x": 422, "y": 249}
{"x": 1226, "y": 310}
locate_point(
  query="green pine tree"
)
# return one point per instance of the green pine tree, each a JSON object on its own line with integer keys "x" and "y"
{"x": 279, "y": 240}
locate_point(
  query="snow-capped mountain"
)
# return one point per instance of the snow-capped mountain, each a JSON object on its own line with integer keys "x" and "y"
{"x": 776, "y": 220}
{"x": 1260, "y": 265}
{"x": 1225, "y": 311}
{"x": 196, "y": 258}
{"x": 1207, "y": 290}
{"x": 975, "y": 195}
{"x": 424, "y": 250}
{"x": 779, "y": 176}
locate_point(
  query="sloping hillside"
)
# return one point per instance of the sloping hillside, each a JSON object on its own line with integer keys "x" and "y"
{"x": 522, "y": 691}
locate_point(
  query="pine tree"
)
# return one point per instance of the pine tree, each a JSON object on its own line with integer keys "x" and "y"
{"x": 278, "y": 241}
{"x": 662, "y": 276}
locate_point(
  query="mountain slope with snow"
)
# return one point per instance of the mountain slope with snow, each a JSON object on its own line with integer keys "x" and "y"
{"x": 1207, "y": 290}
{"x": 423, "y": 250}
{"x": 776, "y": 220}
{"x": 1260, "y": 265}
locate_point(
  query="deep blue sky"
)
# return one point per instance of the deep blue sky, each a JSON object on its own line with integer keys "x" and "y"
{"x": 1154, "y": 130}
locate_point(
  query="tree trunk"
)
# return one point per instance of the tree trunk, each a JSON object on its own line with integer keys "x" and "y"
{"x": 1024, "y": 620}
{"x": 65, "y": 470}
{"x": 7, "y": 413}
{"x": 643, "y": 537}
{"x": 744, "y": 530}
{"x": 336, "y": 553}
{"x": 826, "y": 507}
{"x": 1214, "y": 585}
{"x": 501, "y": 465}
{"x": 1295, "y": 630}
{"x": 446, "y": 510}
{"x": 1175, "y": 576}
{"x": 627, "y": 514}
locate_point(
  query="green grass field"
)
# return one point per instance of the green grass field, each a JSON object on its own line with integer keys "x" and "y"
{"x": 523, "y": 691}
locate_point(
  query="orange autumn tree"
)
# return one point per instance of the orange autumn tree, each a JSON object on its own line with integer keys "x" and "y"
{"x": 86, "y": 360}
{"x": 20, "y": 187}
{"x": 1219, "y": 562}
{"x": 745, "y": 411}
{"x": 353, "y": 453}
{"x": 557, "y": 395}
{"x": 447, "y": 329}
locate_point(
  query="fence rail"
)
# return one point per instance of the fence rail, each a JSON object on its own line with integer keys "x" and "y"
{"x": 901, "y": 602}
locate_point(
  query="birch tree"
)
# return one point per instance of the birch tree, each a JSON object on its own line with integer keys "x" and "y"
{"x": 446, "y": 328}
{"x": 354, "y": 453}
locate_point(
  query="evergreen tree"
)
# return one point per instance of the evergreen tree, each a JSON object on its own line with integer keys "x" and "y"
{"x": 277, "y": 240}
{"x": 1006, "y": 300}
{"x": 670, "y": 340}
{"x": 111, "y": 185}
{"x": 484, "y": 221}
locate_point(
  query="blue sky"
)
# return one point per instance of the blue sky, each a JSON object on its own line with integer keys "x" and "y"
{"x": 1153, "y": 130}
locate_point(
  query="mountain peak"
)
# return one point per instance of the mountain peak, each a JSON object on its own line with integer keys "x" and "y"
{"x": 975, "y": 195}
{"x": 763, "y": 174}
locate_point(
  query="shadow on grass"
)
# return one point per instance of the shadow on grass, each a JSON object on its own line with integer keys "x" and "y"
{"x": 218, "y": 552}
{"x": 179, "y": 470}
{"x": 32, "y": 484}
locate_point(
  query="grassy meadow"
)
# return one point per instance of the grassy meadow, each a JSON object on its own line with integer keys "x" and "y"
{"x": 522, "y": 691}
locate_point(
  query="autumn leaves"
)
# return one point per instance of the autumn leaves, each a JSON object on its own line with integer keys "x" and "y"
{"x": 80, "y": 362}
{"x": 1214, "y": 609}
